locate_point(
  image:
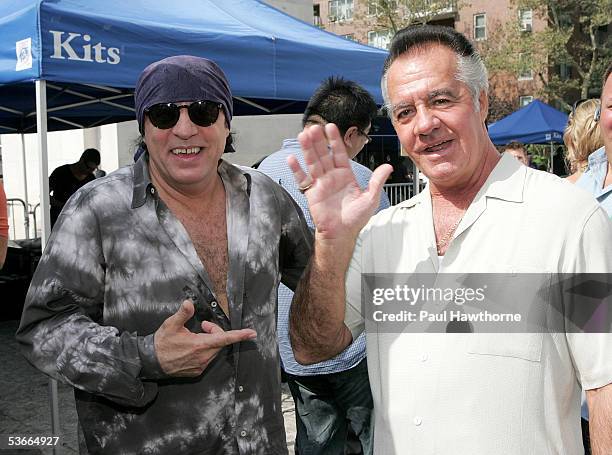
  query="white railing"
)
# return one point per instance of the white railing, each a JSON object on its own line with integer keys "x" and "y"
{"x": 22, "y": 221}
{"x": 19, "y": 220}
{"x": 399, "y": 192}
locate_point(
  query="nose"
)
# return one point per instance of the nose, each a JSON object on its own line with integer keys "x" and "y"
{"x": 184, "y": 127}
{"x": 425, "y": 121}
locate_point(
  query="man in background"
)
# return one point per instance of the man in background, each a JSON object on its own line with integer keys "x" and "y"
{"x": 66, "y": 179}
{"x": 517, "y": 150}
{"x": 331, "y": 395}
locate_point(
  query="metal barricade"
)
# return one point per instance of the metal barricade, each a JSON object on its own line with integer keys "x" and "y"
{"x": 398, "y": 192}
{"x": 34, "y": 218}
{"x": 17, "y": 210}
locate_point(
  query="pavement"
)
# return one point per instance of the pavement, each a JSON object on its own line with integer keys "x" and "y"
{"x": 25, "y": 409}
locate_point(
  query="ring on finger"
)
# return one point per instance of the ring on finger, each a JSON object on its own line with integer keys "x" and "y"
{"x": 303, "y": 188}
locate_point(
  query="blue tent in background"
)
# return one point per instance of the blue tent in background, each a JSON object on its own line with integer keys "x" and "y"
{"x": 536, "y": 123}
{"x": 90, "y": 54}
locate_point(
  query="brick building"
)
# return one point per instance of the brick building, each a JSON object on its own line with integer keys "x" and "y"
{"x": 355, "y": 19}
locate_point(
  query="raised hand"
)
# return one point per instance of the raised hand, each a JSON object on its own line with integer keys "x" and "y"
{"x": 339, "y": 207}
{"x": 181, "y": 352}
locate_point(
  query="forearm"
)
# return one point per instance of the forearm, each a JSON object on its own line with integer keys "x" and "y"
{"x": 600, "y": 419}
{"x": 97, "y": 359}
{"x": 317, "y": 327}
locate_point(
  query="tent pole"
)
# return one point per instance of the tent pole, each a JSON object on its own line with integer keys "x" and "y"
{"x": 25, "y": 188}
{"x": 552, "y": 159}
{"x": 43, "y": 165}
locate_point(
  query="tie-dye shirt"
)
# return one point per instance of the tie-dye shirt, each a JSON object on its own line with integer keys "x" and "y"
{"x": 117, "y": 264}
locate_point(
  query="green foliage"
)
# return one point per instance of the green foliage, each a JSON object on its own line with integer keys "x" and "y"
{"x": 539, "y": 155}
{"x": 572, "y": 37}
{"x": 393, "y": 15}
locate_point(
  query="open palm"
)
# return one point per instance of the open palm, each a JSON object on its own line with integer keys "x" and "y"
{"x": 338, "y": 206}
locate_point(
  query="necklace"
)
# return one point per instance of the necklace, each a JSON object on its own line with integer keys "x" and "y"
{"x": 447, "y": 237}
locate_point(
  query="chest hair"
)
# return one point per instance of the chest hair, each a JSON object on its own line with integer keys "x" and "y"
{"x": 207, "y": 228}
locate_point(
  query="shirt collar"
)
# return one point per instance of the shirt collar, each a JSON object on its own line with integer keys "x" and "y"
{"x": 506, "y": 182}
{"x": 598, "y": 166}
{"x": 230, "y": 175}
{"x": 598, "y": 157}
{"x": 142, "y": 181}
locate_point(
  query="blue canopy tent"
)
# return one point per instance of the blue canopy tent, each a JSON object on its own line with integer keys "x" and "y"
{"x": 74, "y": 63}
{"x": 536, "y": 123}
{"x": 91, "y": 53}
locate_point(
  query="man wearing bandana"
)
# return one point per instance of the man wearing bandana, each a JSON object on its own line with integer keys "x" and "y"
{"x": 156, "y": 295}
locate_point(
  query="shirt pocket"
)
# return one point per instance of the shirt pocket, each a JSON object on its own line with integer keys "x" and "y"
{"x": 527, "y": 346}
{"x": 519, "y": 290}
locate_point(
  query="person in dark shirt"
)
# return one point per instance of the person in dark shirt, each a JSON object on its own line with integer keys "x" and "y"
{"x": 155, "y": 297}
{"x": 66, "y": 179}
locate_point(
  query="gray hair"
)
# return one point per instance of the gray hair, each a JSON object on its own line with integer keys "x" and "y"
{"x": 470, "y": 67}
{"x": 470, "y": 70}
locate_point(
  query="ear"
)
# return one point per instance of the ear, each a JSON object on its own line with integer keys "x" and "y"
{"x": 483, "y": 102}
{"x": 348, "y": 136}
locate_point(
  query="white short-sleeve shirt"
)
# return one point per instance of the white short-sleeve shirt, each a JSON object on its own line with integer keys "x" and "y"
{"x": 439, "y": 393}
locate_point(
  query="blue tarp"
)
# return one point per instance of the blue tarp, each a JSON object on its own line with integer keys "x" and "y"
{"x": 536, "y": 123}
{"x": 88, "y": 50}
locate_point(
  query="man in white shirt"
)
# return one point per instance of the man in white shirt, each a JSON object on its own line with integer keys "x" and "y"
{"x": 443, "y": 393}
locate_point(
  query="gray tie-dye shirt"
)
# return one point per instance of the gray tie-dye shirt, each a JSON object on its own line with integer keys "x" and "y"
{"x": 119, "y": 263}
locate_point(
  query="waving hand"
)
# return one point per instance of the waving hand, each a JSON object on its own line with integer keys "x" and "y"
{"x": 337, "y": 204}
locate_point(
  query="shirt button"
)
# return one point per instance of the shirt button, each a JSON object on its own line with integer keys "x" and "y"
{"x": 240, "y": 388}
{"x": 243, "y": 433}
{"x": 417, "y": 421}
{"x": 152, "y": 190}
{"x": 213, "y": 304}
{"x": 424, "y": 357}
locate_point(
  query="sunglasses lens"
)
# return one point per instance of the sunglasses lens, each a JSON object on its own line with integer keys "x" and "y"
{"x": 204, "y": 113}
{"x": 164, "y": 116}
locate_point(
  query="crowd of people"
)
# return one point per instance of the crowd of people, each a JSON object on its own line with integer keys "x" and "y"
{"x": 165, "y": 295}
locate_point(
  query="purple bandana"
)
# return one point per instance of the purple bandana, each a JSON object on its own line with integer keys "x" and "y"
{"x": 182, "y": 78}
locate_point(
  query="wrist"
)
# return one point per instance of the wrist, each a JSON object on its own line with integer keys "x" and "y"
{"x": 333, "y": 253}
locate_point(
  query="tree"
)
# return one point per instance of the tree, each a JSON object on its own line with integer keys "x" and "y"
{"x": 573, "y": 38}
{"x": 393, "y": 15}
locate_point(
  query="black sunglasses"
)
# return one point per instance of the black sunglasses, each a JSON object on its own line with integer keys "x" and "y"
{"x": 165, "y": 115}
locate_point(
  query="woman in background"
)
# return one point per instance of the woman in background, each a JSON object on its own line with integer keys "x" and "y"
{"x": 581, "y": 137}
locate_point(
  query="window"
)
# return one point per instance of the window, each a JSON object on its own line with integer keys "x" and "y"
{"x": 350, "y": 36}
{"x": 480, "y": 26}
{"x": 316, "y": 15}
{"x": 340, "y": 10}
{"x": 374, "y": 8}
{"x": 525, "y": 72}
{"x": 526, "y": 20}
{"x": 525, "y": 100}
{"x": 381, "y": 38}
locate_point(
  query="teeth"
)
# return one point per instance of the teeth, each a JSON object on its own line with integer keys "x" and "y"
{"x": 189, "y": 151}
{"x": 436, "y": 146}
